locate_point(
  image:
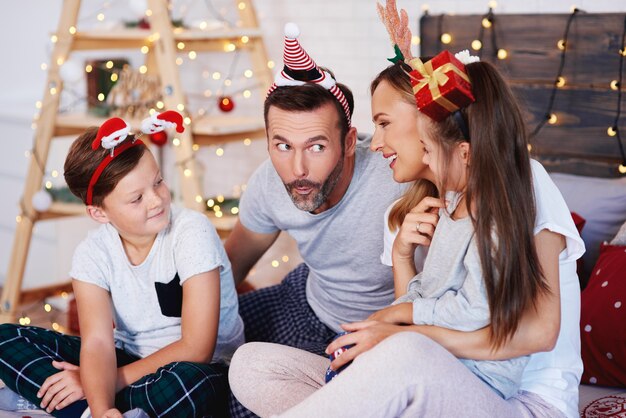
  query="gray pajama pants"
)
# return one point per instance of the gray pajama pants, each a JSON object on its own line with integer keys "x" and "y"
{"x": 406, "y": 375}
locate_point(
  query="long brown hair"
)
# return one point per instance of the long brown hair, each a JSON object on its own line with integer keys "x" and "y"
{"x": 397, "y": 76}
{"x": 500, "y": 192}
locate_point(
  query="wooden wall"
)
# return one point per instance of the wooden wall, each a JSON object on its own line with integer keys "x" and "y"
{"x": 586, "y": 106}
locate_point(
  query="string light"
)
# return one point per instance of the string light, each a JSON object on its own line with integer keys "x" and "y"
{"x": 416, "y": 40}
{"x": 486, "y": 22}
{"x": 614, "y": 85}
{"x": 446, "y": 38}
{"x": 275, "y": 263}
{"x": 622, "y": 168}
{"x": 476, "y": 45}
{"x": 285, "y": 258}
{"x": 618, "y": 112}
{"x": 502, "y": 53}
{"x": 552, "y": 119}
{"x": 612, "y": 131}
{"x": 560, "y": 81}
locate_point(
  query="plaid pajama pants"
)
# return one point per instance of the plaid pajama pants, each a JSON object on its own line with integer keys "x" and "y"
{"x": 180, "y": 389}
{"x": 281, "y": 314}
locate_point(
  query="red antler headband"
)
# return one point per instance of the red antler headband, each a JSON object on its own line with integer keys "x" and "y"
{"x": 114, "y": 132}
{"x": 300, "y": 69}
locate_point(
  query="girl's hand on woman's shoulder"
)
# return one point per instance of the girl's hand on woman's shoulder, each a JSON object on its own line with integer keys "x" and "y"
{"x": 418, "y": 227}
{"x": 364, "y": 336}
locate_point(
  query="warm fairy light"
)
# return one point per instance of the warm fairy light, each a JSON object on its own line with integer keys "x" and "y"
{"x": 275, "y": 263}
{"x": 199, "y": 198}
{"x": 493, "y": 4}
{"x": 210, "y": 203}
{"x": 228, "y": 82}
{"x": 114, "y": 77}
{"x": 48, "y": 185}
{"x": 234, "y": 210}
{"x": 560, "y": 82}
{"x": 217, "y": 75}
{"x": 425, "y": 8}
{"x": 195, "y": 147}
{"x": 486, "y": 22}
{"x": 219, "y": 214}
{"x": 100, "y": 97}
{"x": 552, "y": 119}
{"x": 180, "y": 107}
{"x": 612, "y": 131}
{"x": 22, "y": 321}
{"x": 220, "y": 198}
{"x": 270, "y": 64}
{"x": 148, "y": 12}
{"x": 530, "y": 147}
{"x": 187, "y": 172}
{"x": 614, "y": 85}
{"x": 44, "y": 66}
{"x": 561, "y": 44}
{"x": 55, "y": 326}
{"x": 446, "y": 38}
{"x": 502, "y": 53}
{"x": 143, "y": 69}
{"x": 229, "y": 47}
{"x": 241, "y": 5}
{"x": 219, "y": 152}
{"x": 208, "y": 93}
{"x": 36, "y": 116}
{"x": 18, "y": 219}
{"x": 245, "y": 39}
{"x": 88, "y": 68}
{"x": 154, "y": 37}
{"x": 55, "y": 173}
{"x": 246, "y": 94}
{"x": 192, "y": 55}
{"x": 60, "y": 61}
{"x": 573, "y": 8}
{"x": 53, "y": 91}
{"x": 180, "y": 45}
{"x": 247, "y": 142}
{"x": 100, "y": 17}
{"x": 248, "y": 74}
{"x": 244, "y": 187}
{"x": 416, "y": 40}
{"x": 176, "y": 142}
{"x": 72, "y": 30}
{"x": 47, "y": 307}
{"x": 145, "y": 49}
{"x": 623, "y": 52}
{"x": 622, "y": 168}
{"x": 54, "y": 39}
{"x": 109, "y": 64}
{"x": 38, "y": 104}
{"x": 179, "y": 61}
{"x": 160, "y": 105}
{"x": 33, "y": 126}
{"x": 151, "y": 112}
{"x": 187, "y": 120}
{"x": 285, "y": 258}
{"x": 476, "y": 45}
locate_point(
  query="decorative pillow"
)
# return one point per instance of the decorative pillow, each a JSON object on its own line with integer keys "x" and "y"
{"x": 607, "y": 407}
{"x": 602, "y": 324}
{"x": 620, "y": 238}
{"x": 601, "y": 201}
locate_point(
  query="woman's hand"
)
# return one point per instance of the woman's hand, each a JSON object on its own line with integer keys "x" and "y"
{"x": 364, "y": 335}
{"x": 417, "y": 228}
{"x": 61, "y": 389}
{"x": 401, "y": 313}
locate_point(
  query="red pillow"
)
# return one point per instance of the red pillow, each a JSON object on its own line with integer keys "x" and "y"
{"x": 603, "y": 320}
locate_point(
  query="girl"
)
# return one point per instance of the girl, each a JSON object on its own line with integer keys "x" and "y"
{"x": 159, "y": 273}
{"x": 409, "y": 374}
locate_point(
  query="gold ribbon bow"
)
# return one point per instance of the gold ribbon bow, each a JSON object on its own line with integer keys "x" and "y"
{"x": 435, "y": 77}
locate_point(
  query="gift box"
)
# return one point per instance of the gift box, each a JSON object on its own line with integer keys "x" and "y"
{"x": 440, "y": 85}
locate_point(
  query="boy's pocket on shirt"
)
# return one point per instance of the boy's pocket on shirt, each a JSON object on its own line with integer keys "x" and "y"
{"x": 170, "y": 297}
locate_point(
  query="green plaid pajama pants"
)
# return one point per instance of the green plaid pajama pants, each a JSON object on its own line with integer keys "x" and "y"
{"x": 180, "y": 389}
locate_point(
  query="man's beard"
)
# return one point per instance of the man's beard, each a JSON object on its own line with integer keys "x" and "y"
{"x": 319, "y": 191}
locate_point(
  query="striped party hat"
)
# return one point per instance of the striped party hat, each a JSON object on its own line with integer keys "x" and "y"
{"x": 300, "y": 68}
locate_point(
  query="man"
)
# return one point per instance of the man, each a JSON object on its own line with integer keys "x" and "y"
{"x": 329, "y": 193}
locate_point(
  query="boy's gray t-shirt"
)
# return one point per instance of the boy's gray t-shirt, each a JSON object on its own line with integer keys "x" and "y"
{"x": 341, "y": 245}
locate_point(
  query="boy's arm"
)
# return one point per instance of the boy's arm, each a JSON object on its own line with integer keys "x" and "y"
{"x": 98, "y": 364}
{"x": 199, "y": 324}
{"x": 244, "y": 248}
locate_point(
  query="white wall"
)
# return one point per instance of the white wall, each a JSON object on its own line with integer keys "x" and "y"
{"x": 344, "y": 35}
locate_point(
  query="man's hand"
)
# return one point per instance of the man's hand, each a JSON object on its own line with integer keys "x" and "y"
{"x": 61, "y": 389}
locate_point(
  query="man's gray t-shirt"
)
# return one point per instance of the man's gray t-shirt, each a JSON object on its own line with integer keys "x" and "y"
{"x": 341, "y": 245}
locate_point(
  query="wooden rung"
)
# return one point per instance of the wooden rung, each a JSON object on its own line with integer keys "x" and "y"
{"x": 40, "y": 293}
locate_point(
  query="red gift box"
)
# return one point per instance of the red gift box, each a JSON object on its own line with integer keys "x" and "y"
{"x": 440, "y": 85}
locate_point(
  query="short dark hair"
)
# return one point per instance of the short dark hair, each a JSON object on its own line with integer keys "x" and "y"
{"x": 82, "y": 161}
{"x": 308, "y": 97}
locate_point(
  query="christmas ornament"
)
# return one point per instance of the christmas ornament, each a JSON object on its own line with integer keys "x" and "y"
{"x": 159, "y": 121}
{"x": 42, "y": 201}
{"x": 71, "y": 72}
{"x": 226, "y": 104}
{"x": 159, "y": 138}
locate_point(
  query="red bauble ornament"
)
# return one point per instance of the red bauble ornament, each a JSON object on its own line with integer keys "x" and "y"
{"x": 226, "y": 104}
{"x": 158, "y": 138}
